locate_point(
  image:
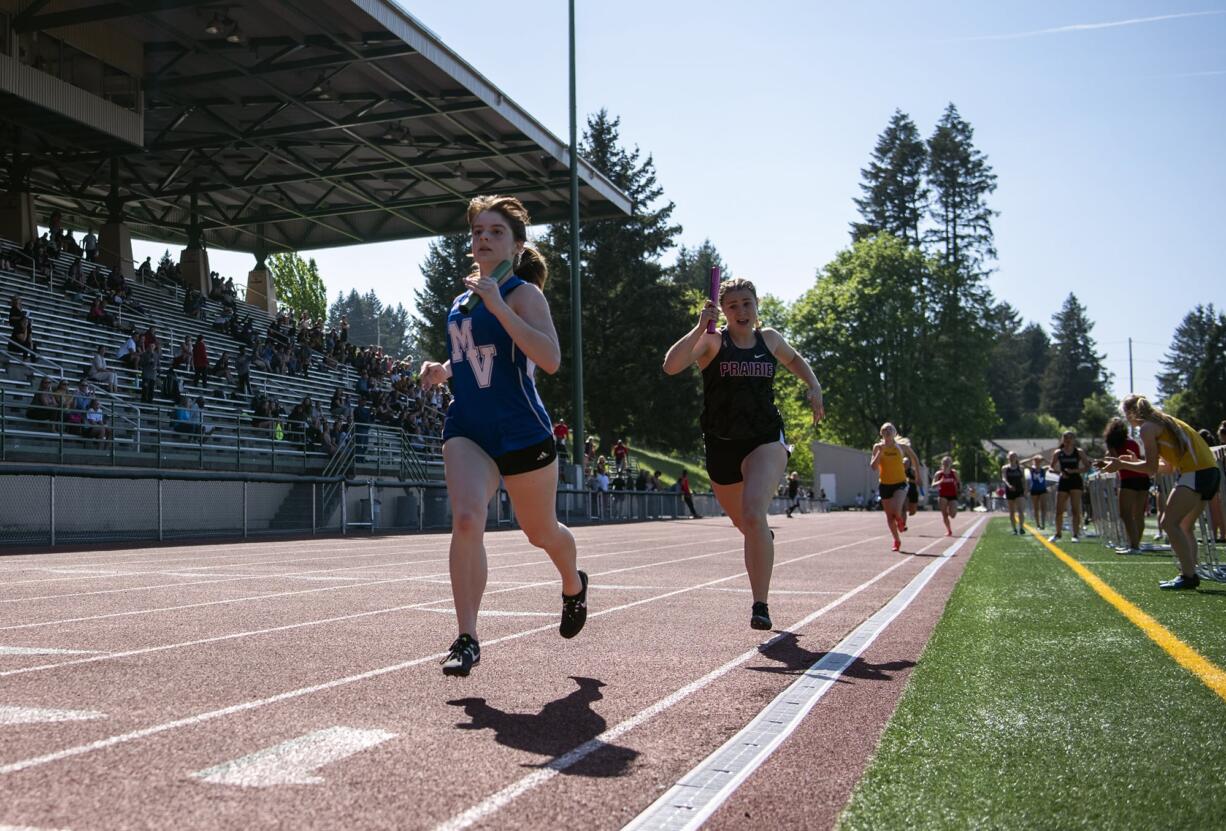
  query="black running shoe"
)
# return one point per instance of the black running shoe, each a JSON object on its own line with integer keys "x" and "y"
{"x": 1183, "y": 581}
{"x": 760, "y": 616}
{"x": 574, "y": 610}
{"x": 464, "y": 653}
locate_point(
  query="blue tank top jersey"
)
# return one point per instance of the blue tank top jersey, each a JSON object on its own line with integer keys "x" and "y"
{"x": 494, "y": 397}
{"x": 1038, "y": 479}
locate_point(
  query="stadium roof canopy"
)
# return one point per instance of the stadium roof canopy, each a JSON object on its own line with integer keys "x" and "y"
{"x": 311, "y": 123}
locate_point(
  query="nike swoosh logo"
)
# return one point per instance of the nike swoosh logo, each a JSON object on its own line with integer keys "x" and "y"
{"x": 763, "y": 355}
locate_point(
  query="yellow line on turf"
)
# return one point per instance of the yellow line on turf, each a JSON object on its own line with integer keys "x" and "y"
{"x": 1209, "y": 673}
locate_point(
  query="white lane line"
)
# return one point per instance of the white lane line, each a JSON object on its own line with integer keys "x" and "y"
{"x": 25, "y": 828}
{"x": 773, "y": 591}
{"x": 699, "y": 793}
{"x": 111, "y": 656}
{"x": 499, "y": 800}
{"x": 533, "y": 562}
{"x": 43, "y": 650}
{"x": 293, "y": 762}
{"x": 491, "y": 613}
{"x": 10, "y": 715}
{"x": 200, "y": 718}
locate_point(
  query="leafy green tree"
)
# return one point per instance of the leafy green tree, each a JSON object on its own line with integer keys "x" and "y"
{"x": 298, "y": 284}
{"x": 961, "y": 179}
{"x": 1096, "y": 411}
{"x": 447, "y": 263}
{"x": 1075, "y": 370}
{"x": 1189, "y": 346}
{"x": 631, "y": 312}
{"x": 895, "y": 194}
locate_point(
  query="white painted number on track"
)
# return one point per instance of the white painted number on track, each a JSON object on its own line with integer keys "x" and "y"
{"x": 293, "y": 762}
{"x": 34, "y": 715}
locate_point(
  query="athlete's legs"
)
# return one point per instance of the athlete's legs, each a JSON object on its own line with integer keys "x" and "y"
{"x": 1183, "y": 507}
{"x": 729, "y": 498}
{"x": 895, "y": 511}
{"x": 1133, "y": 519}
{"x": 472, "y": 480}
{"x": 947, "y": 513}
{"x": 1061, "y": 501}
{"x": 1074, "y": 501}
{"x": 1036, "y": 506}
{"x": 762, "y": 469}
{"x": 534, "y": 498}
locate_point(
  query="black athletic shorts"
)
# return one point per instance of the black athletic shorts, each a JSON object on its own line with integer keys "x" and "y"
{"x": 1070, "y": 482}
{"x": 527, "y": 459}
{"x": 1011, "y": 494}
{"x": 1134, "y": 483}
{"x": 1205, "y": 482}
{"x": 886, "y": 491}
{"x": 724, "y": 456}
{"x": 912, "y": 493}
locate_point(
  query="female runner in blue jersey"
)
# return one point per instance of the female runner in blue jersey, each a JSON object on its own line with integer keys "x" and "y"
{"x": 743, "y": 432}
{"x": 496, "y": 425}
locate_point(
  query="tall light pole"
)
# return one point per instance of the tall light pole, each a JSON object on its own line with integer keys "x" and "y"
{"x": 576, "y": 299}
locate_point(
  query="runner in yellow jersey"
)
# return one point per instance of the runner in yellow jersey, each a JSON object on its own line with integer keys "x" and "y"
{"x": 888, "y": 459}
{"x": 1171, "y": 446}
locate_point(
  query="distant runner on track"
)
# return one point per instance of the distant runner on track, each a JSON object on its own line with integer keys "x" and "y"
{"x": 888, "y": 459}
{"x": 1015, "y": 492}
{"x": 742, "y": 429}
{"x": 948, "y": 487}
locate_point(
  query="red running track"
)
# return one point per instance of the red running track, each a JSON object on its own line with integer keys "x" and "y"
{"x": 296, "y": 684}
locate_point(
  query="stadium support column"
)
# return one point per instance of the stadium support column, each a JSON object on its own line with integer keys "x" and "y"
{"x": 18, "y": 221}
{"x": 260, "y": 289}
{"x": 576, "y": 299}
{"x": 194, "y": 260}
{"x": 115, "y": 241}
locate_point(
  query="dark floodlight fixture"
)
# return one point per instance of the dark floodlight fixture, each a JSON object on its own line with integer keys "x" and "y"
{"x": 318, "y": 86}
{"x": 325, "y": 91}
{"x": 215, "y": 25}
{"x": 389, "y": 133}
{"x": 235, "y": 35}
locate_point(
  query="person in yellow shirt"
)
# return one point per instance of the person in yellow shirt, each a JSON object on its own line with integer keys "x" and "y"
{"x": 1171, "y": 446}
{"x": 888, "y": 459}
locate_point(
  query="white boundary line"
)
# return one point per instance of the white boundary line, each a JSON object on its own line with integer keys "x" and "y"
{"x": 200, "y": 718}
{"x": 499, "y": 800}
{"x": 699, "y": 793}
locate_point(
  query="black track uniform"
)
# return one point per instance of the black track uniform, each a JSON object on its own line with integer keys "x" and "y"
{"x": 738, "y": 406}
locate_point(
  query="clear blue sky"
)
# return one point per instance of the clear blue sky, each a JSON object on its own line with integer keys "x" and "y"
{"x": 1105, "y": 127}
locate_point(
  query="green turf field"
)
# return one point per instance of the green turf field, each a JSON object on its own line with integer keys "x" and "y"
{"x": 1037, "y": 705}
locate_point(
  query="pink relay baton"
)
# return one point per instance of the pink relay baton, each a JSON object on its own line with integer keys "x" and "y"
{"x": 714, "y": 296}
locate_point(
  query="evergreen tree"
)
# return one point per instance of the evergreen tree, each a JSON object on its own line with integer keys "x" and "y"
{"x": 166, "y": 261}
{"x": 447, "y": 263}
{"x": 692, "y": 270}
{"x": 1034, "y": 354}
{"x": 961, "y": 179}
{"x": 298, "y": 284}
{"x": 1188, "y": 349}
{"x": 1202, "y": 403}
{"x": 1006, "y": 366}
{"x": 373, "y": 324}
{"x": 895, "y": 195}
{"x": 1075, "y": 369}
{"x": 631, "y": 312}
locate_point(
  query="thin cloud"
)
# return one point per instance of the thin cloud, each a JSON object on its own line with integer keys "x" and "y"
{"x": 1088, "y": 27}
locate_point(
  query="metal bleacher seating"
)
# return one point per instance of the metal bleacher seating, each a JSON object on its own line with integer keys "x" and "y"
{"x": 143, "y": 434}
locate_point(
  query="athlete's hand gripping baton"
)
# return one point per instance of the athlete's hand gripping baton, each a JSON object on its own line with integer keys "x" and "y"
{"x": 501, "y": 272}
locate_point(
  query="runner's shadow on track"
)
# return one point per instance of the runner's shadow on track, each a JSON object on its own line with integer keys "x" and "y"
{"x": 560, "y": 727}
{"x": 795, "y": 660}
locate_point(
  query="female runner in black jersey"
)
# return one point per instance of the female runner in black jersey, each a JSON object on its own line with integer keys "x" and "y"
{"x": 742, "y": 429}
{"x": 1070, "y": 461}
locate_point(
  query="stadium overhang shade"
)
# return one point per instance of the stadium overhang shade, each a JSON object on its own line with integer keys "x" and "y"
{"x": 278, "y": 125}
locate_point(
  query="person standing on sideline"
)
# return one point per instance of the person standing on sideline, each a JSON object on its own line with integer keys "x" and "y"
{"x": 793, "y": 493}
{"x": 1171, "y": 445}
{"x": 1037, "y": 475}
{"x": 1015, "y": 492}
{"x": 1070, "y": 461}
{"x": 1134, "y": 486}
{"x": 947, "y": 485}
{"x": 888, "y": 459}
{"x": 746, "y": 450}
{"x": 684, "y": 484}
{"x": 496, "y": 425}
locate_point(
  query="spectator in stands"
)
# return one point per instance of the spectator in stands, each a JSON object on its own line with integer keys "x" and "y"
{"x": 147, "y": 363}
{"x": 362, "y": 419}
{"x": 22, "y": 342}
{"x": 655, "y": 484}
{"x": 200, "y": 362}
{"x": 74, "y": 284}
{"x": 242, "y": 369}
{"x": 75, "y": 275}
{"x": 183, "y": 360}
{"x": 89, "y": 244}
{"x": 145, "y": 271}
{"x": 262, "y": 359}
{"x": 149, "y": 341}
{"x": 640, "y": 481}
{"x": 45, "y": 406}
{"x": 620, "y": 455}
{"x": 99, "y": 373}
{"x": 6, "y": 262}
{"x": 126, "y": 353}
{"x": 224, "y": 320}
{"x": 344, "y": 333}
{"x": 94, "y": 427}
{"x": 221, "y": 368}
{"x": 183, "y": 416}
{"x": 202, "y": 427}
{"x": 172, "y": 386}
{"x": 193, "y": 303}
{"x": 98, "y": 314}
{"x": 17, "y": 312}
